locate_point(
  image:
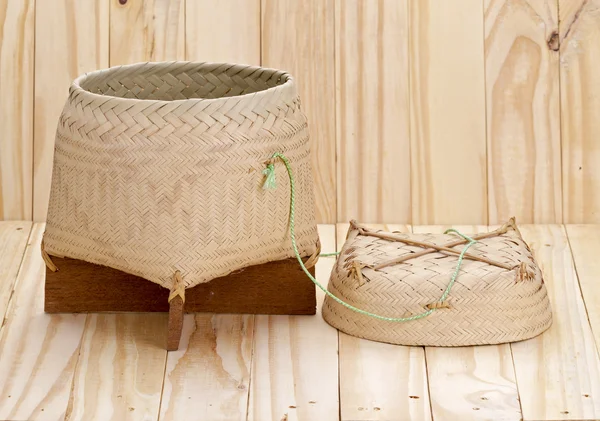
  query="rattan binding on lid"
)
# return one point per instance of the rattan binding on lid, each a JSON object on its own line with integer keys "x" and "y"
{"x": 499, "y": 295}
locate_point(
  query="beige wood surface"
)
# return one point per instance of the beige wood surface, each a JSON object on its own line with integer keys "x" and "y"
{"x": 580, "y": 84}
{"x": 16, "y": 108}
{"x": 381, "y": 381}
{"x": 298, "y": 36}
{"x": 71, "y": 38}
{"x": 295, "y": 363}
{"x": 13, "y": 239}
{"x": 119, "y": 374}
{"x": 447, "y": 103}
{"x": 149, "y": 30}
{"x": 208, "y": 377}
{"x": 223, "y": 31}
{"x": 471, "y": 383}
{"x": 51, "y": 368}
{"x": 558, "y": 373}
{"x": 585, "y": 243}
{"x": 38, "y": 352}
{"x": 373, "y": 144}
{"x": 523, "y": 120}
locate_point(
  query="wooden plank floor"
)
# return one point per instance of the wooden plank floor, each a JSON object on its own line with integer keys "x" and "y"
{"x": 274, "y": 368}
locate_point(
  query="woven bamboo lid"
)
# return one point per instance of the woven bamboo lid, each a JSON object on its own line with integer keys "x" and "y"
{"x": 498, "y": 296}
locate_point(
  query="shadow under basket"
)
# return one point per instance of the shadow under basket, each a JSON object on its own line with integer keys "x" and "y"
{"x": 163, "y": 194}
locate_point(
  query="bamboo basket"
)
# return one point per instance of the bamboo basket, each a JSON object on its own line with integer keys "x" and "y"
{"x": 498, "y": 296}
{"x": 158, "y": 169}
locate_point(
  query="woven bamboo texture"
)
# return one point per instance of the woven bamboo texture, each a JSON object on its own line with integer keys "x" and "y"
{"x": 158, "y": 167}
{"x": 499, "y": 295}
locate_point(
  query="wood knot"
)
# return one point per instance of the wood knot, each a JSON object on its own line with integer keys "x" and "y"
{"x": 554, "y": 41}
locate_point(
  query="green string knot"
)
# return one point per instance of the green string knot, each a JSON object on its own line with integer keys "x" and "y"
{"x": 269, "y": 173}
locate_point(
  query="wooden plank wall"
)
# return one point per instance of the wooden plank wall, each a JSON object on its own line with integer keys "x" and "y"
{"x": 71, "y": 38}
{"x": 16, "y": 108}
{"x": 420, "y": 111}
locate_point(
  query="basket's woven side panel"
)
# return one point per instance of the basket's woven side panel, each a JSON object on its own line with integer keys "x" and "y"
{"x": 488, "y": 304}
{"x": 150, "y": 187}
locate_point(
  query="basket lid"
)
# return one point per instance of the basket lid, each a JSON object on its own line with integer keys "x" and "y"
{"x": 498, "y": 293}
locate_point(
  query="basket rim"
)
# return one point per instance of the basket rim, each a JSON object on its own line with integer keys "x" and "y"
{"x": 289, "y": 85}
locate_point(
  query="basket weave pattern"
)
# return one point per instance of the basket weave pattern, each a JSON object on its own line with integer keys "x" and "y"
{"x": 487, "y": 304}
{"x": 158, "y": 167}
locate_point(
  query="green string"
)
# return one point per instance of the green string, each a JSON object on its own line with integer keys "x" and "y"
{"x": 269, "y": 172}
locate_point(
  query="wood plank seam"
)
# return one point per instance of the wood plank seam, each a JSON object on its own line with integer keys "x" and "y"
{"x": 556, "y": 38}
{"x": 585, "y": 304}
{"x": 69, "y": 408}
{"x": 15, "y": 282}
{"x": 250, "y": 368}
{"x": 337, "y": 247}
{"x": 162, "y": 388}
{"x": 556, "y": 35}
{"x": 485, "y": 120}
{"x": 512, "y": 358}
{"x": 427, "y": 381}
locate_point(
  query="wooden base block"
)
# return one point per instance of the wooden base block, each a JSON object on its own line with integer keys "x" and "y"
{"x": 279, "y": 287}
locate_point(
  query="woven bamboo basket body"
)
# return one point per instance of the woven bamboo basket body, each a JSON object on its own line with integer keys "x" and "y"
{"x": 488, "y": 304}
{"x": 158, "y": 168}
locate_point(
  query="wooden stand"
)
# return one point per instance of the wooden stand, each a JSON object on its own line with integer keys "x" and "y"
{"x": 273, "y": 288}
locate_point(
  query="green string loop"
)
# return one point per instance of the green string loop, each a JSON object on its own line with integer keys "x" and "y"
{"x": 270, "y": 184}
{"x": 337, "y": 253}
